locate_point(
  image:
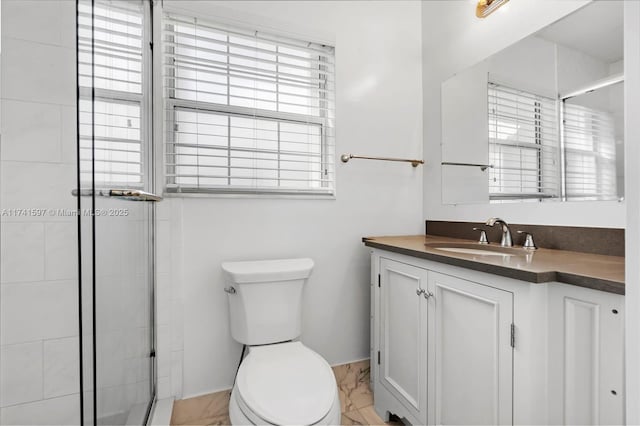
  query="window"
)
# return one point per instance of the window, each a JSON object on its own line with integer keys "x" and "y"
{"x": 246, "y": 111}
{"x": 523, "y": 145}
{"x": 590, "y": 150}
{"x": 110, "y": 76}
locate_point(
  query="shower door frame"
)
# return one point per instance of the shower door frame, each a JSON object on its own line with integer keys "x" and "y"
{"x": 149, "y": 178}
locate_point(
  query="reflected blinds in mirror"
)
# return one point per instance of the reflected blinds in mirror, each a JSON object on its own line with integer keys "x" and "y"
{"x": 523, "y": 145}
{"x": 590, "y": 150}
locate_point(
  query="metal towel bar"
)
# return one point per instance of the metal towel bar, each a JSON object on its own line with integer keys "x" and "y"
{"x": 483, "y": 167}
{"x": 126, "y": 194}
{"x": 346, "y": 157}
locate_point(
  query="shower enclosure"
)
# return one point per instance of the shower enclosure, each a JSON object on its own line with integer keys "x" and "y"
{"x": 116, "y": 205}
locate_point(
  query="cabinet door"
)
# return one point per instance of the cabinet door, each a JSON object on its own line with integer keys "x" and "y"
{"x": 470, "y": 352}
{"x": 586, "y": 356}
{"x": 403, "y": 336}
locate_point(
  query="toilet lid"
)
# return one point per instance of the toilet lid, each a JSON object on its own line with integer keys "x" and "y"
{"x": 287, "y": 383}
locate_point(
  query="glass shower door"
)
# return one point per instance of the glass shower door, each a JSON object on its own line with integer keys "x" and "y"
{"x": 116, "y": 207}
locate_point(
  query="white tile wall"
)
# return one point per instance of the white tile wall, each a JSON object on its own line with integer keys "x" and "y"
{"x": 163, "y": 238}
{"x": 169, "y": 315}
{"x": 34, "y": 130}
{"x": 164, "y": 351}
{"x": 21, "y": 373}
{"x": 38, "y": 284}
{"x": 164, "y": 387}
{"x": 67, "y": 14}
{"x": 177, "y": 335}
{"x": 38, "y": 311}
{"x": 55, "y": 411}
{"x": 176, "y": 372}
{"x": 22, "y": 249}
{"x": 33, "y": 20}
{"x": 61, "y": 373}
{"x": 37, "y": 72}
{"x": 60, "y": 263}
{"x": 68, "y": 133}
{"x": 37, "y": 185}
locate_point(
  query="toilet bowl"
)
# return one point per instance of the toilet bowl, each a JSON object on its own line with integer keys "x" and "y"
{"x": 284, "y": 384}
{"x": 280, "y": 381}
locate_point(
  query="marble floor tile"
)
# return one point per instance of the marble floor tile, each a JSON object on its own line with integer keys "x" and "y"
{"x": 370, "y": 416}
{"x": 353, "y": 418}
{"x": 353, "y": 383}
{"x": 193, "y": 411}
{"x": 216, "y": 421}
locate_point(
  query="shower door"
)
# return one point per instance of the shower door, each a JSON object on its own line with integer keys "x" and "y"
{"x": 116, "y": 211}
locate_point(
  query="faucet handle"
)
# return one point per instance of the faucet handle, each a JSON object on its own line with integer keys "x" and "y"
{"x": 483, "y": 236}
{"x": 529, "y": 244}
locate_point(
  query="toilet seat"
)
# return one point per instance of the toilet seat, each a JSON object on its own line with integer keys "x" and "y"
{"x": 285, "y": 383}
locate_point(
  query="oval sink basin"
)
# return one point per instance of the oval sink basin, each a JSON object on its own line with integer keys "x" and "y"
{"x": 476, "y": 249}
{"x": 473, "y": 251}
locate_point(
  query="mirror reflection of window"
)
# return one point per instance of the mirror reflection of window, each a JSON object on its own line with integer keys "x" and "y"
{"x": 523, "y": 145}
{"x": 593, "y": 133}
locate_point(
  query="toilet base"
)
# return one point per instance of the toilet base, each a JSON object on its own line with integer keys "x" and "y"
{"x": 237, "y": 417}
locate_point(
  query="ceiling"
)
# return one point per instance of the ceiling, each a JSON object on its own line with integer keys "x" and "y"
{"x": 596, "y": 29}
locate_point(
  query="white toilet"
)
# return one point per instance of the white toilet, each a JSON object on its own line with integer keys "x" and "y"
{"x": 280, "y": 381}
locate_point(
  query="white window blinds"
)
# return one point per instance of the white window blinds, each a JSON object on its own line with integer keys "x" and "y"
{"x": 590, "y": 150}
{"x": 523, "y": 145}
{"x": 246, "y": 111}
{"x": 110, "y": 77}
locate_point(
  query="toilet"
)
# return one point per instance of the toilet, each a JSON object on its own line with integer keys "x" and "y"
{"x": 280, "y": 381}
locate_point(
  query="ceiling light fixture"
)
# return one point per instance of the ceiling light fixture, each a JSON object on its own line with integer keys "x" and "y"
{"x": 487, "y": 7}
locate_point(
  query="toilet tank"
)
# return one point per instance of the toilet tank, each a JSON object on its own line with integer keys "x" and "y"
{"x": 266, "y": 304}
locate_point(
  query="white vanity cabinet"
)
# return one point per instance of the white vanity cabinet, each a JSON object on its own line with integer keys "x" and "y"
{"x": 586, "y": 361}
{"x": 469, "y": 343}
{"x": 404, "y": 321}
{"x": 455, "y": 346}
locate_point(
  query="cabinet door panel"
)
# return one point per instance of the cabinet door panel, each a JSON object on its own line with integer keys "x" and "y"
{"x": 403, "y": 334}
{"x": 581, "y": 361}
{"x": 586, "y": 341}
{"x": 471, "y": 348}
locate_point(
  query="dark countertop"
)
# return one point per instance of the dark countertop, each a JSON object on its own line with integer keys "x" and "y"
{"x": 595, "y": 271}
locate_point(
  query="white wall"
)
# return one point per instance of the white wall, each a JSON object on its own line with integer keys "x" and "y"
{"x": 38, "y": 301}
{"x": 632, "y": 233}
{"x": 379, "y": 112}
{"x": 454, "y": 39}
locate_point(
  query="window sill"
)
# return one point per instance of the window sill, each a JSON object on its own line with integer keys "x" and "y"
{"x": 250, "y": 195}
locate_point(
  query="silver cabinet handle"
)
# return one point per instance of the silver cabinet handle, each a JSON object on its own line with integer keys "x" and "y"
{"x": 125, "y": 194}
{"x": 427, "y": 294}
{"x": 230, "y": 290}
{"x": 419, "y": 291}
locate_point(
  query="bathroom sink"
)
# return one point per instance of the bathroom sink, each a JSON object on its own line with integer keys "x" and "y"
{"x": 476, "y": 249}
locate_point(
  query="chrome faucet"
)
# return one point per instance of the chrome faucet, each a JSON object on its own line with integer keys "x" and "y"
{"x": 506, "y": 232}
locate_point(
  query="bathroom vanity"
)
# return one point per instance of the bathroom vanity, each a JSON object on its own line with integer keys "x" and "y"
{"x": 513, "y": 337}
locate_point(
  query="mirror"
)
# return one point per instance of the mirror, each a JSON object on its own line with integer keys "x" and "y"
{"x": 543, "y": 119}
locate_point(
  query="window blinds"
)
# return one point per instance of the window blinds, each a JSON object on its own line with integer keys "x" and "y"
{"x": 110, "y": 77}
{"x": 246, "y": 111}
{"x": 523, "y": 145}
{"x": 590, "y": 150}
